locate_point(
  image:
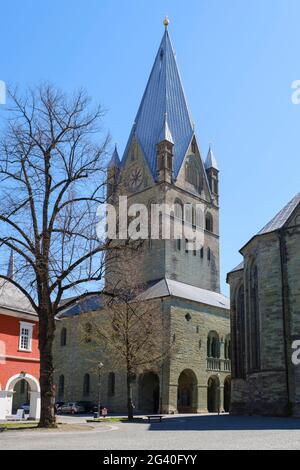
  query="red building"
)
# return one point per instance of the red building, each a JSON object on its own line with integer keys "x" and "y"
{"x": 19, "y": 353}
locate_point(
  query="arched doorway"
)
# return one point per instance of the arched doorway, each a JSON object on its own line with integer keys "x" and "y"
{"x": 149, "y": 401}
{"x": 187, "y": 392}
{"x": 33, "y": 392}
{"x": 227, "y": 394}
{"x": 213, "y": 395}
{"x": 21, "y": 395}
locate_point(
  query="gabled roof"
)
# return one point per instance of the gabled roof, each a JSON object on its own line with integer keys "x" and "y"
{"x": 115, "y": 159}
{"x": 279, "y": 221}
{"x": 12, "y": 298}
{"x": 159, "y": 289}
{"x": 239, "y": 267}
{"x": 282, "y": 217}
{"x": 88, "y": 304}
{"x": 211, "y": 161}
{"x": 164, "y": 96}
{"x": 169, "y": 287}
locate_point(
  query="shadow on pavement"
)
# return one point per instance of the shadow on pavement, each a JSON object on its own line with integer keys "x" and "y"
{"x": 224, "y": 423}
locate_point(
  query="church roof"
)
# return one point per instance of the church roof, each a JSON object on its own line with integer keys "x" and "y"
{"x": 159, "y": 289}
{"x": 282, "y": 217}
{"x": 277, "y": 223}
{"x": 239, "y": 267}
{"x": 211, "y": 161}
{"x": 88, "y": 304}
{"x": 169, "y": 287}
{"x": 164, "y": 96}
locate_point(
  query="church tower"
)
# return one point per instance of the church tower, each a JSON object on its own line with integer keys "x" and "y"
{"x": 162, "y": 164}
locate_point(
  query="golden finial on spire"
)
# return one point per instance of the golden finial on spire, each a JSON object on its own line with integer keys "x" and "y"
{"x": 166, "y": 22}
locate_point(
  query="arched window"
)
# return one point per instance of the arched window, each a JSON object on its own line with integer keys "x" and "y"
{"x": 188, "y": 317}
{"x": 63, "y": 337}
{"x": 177, "y": 222}
{"x": 86, "y": 385}
{"x": 227, "y": 348}
{"x": 192, "y": 174}
{"x": 188, "y": 213}
{"x": 178, "y": 209}
{"x": 61, "y": 386}
{"x": 88, "y": 333}
{"x": 111, "y": 383}
{"x": 194, "y": 216}
{"x": 213, "y": 345}
{"x": 253, "y": 324}
{"x": 209, "y": 226}
{"x": 239, "y": 339}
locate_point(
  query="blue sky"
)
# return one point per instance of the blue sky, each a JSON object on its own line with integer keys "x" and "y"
{"x": 238, "y": 59}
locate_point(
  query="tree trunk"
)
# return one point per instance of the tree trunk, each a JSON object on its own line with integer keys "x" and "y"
{"x": 46, "y": 337}
{"x": 129, "y": 398}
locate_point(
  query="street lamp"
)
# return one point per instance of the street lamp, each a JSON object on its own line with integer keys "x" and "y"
{"x": 100, "y": 365}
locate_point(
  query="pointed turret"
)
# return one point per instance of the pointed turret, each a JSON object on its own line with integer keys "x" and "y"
{"x": 11, "y": 267}
{"x": 113, "y": 172}
{"x": 165, "y": 154}
{"x": 211, "y": 161}
{"x": 166, "y": 134}
{"x": 212, "y": 171}
{"x": 115, "y": 161}
{"x": 164, "y": 96}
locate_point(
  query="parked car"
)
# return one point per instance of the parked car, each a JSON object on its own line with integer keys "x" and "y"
{"x": 90, "y": 407}
{"x": 72, "y": 407}
{"x": 58, "y": 406}
{"x": 87, "y": 405}
{"x": 25, "y": 407}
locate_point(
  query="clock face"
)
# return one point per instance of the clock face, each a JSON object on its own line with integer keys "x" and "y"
{"x": 135, "y": 177}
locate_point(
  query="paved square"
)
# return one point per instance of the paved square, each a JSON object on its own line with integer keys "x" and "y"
{"x": 180, "y": 432}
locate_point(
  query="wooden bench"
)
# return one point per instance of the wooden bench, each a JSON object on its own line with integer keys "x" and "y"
{"x": 154, "y": 418}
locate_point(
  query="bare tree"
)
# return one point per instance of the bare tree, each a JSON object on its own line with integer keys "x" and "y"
{"x": 52, "y": 179}
{"x": 132, "y": 329}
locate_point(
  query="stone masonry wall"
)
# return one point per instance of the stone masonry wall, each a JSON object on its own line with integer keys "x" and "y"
{"x": 190, "y": 352}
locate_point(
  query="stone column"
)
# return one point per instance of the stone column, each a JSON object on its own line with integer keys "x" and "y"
{"x": 169, "y": 400}
{"x": 202, "y": 399}
{"x": 221, "y": 395}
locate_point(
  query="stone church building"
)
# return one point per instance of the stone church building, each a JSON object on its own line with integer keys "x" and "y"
{"x": 162, "y": 164}
{"x": 265, "y": 319}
